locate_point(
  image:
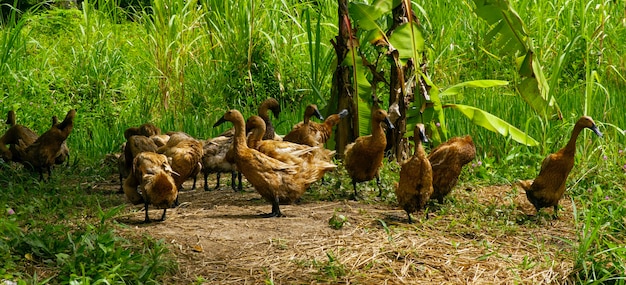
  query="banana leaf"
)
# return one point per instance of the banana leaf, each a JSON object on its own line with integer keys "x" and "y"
{"x": 455, "y": 89}
{"x": 508, "y": 36}
{"x": 491, "y": 122}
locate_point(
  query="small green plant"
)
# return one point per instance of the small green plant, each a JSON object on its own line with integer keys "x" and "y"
{"x": 337, "y": 221}
{"x": 331, "y": 269}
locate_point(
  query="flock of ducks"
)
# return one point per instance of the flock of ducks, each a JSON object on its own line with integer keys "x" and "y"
{"x": 153, "y": 166}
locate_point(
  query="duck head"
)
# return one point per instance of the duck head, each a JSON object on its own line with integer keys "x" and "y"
{"x": 311, "y": 110}
{"x": 343, "y": 113}
{"x": 270, "y": 104}
{"x": 419, "y": 134}
{"x": 587, "y": 122}
{"x": 380, "y": 115}
{"x": 256, "y": 125}
{"x": 230, "y": 116}
{"x": 10, "y": 118}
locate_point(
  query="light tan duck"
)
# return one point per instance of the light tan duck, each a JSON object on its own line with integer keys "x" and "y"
{"x": 277, "y": 182}
{"x": 301, "y": 133}
{"x": 153, "y": 174}
{"x": 185, "y": 155}
{"x": 283, "y": 150}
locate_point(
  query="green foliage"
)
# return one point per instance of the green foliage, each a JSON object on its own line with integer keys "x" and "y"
{"x": 91, "y": 250}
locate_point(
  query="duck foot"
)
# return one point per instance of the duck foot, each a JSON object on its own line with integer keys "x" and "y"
{"x": 275, "y": 210}
{"x": 272, "y": 215}
{"x": 353, "y": 197}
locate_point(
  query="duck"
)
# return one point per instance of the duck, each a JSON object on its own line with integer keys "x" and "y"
{"x": 549, "y": 186}
{"x": 64, "y": 153}
{"x": 282, "y": 150}
{"x": 364, "y": 157}
{"x": 130, "y": 149}
{"x": 215, "y": 159}
{"x": 12, "y": 136}
{"x": 269, "y": 104}
{"x": 146, "y": 129}
{"x": 154, "y": 175}
{"x": 301, "y": 133}
{"x": 447, "y": 161}
{"x": 273, "y": 105}
{"x": 416, "y": 177}
{"x": 41, "y": 154}
{"x": 185, "y": 155}
{"x": 276, "y": 181}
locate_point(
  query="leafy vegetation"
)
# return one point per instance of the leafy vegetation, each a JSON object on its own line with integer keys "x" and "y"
{"x": 68, "y": 232}
{"x": 181, "y": 64}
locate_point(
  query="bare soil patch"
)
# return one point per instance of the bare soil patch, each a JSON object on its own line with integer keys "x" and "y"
{"x": 479, "y": 236}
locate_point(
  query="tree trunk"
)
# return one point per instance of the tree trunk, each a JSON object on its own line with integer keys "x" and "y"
{"x": 399, "y": 96}
{"x": 347, "y": 129}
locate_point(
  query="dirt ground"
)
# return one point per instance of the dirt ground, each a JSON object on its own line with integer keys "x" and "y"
{"x": 218, "y": 237}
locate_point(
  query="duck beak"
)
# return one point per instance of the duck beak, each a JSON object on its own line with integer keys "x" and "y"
{"x": 388, "y": 122}
{"x": 422, "y": 134}
{"x": 219, "y": 122}
{"x": 343, "y": 113}
{"x": 318, "y": 114}
{"x": 594, "y": 128}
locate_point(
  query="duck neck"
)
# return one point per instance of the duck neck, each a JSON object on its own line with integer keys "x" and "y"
{"x": 570, "y": 148}
{"x": 255, "y": 136}
{"x": 377, "y": 130}
{"x": 239, "y": 139}
{"x": 419, "y": 149}
{"x": 332, "y": 120}
{"x": 263, "y": 114}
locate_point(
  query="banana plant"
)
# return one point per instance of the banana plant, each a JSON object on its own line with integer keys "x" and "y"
{"x": 508, "y": 35}
{"x": 406, "y": 41}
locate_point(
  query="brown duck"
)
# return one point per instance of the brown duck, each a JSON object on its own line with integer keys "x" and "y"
{"x": 282, "y": 150}
{"x": 549, "y": 186}
{"x": 13, "y": 136}
{"x": 364, "y": 157}
{"x": 447, "y": 160}
{"x": 302, "y": 132}
{"x": 416, "y": 177}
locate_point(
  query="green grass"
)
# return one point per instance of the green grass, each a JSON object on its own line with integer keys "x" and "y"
{"x": 62, "y": 232}
{"x": 206, "y": 57}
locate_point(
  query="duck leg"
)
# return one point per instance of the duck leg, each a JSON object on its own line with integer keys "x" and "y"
{"x": 195, "y": 179}
{"x": 275, "y": 210}
{"x": 121, "y": 191}
{"x": 163, "y": 216}
{"x": 232, "y": 183}
{"x": 354, "y": 196}
{"x": 147, "y": 218}
{"x": 217, "y": 186}
{"x": 380, "y": 188}
{"x": 408, "y": 214}
{"x": 206, "y": 183}
{"x": 239, "y": 177}
{"x": 556, "y": 208}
